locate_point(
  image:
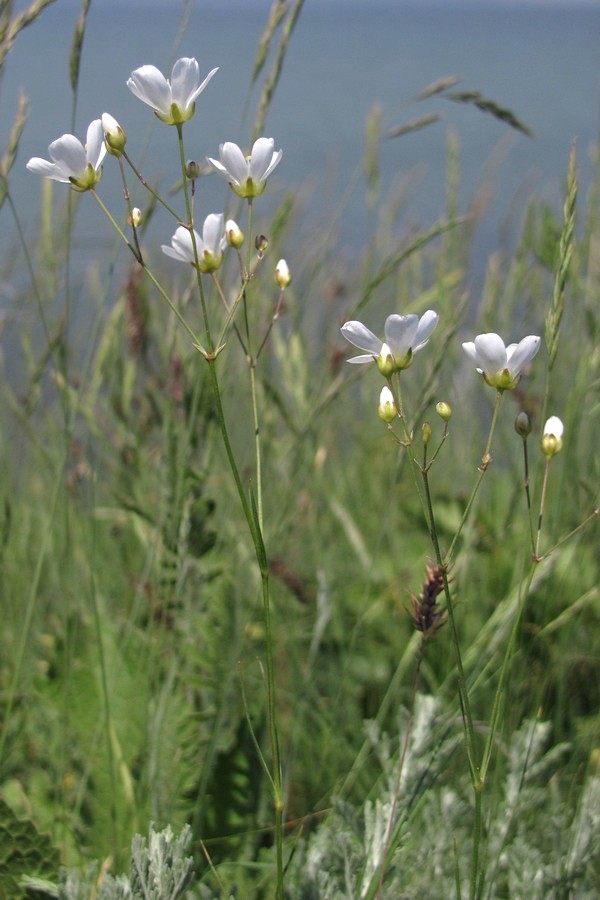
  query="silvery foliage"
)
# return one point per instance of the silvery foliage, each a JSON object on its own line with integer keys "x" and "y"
{"x": 159, "y": 870}
{"x": 533, "y": 837}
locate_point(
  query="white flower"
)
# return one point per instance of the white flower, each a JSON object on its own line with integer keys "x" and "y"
{"x": 247, "y": 175}
{"x": 72, "y": 163}
{"x": 172, "y": 101}
{"x": 501, "y": 366}
{"x": 404, "y": 336}
{"x": 552, "y": 437}
{"x": 209, "y": 247}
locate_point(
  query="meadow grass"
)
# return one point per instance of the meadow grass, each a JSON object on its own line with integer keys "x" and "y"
{"x": 197, "y": 645}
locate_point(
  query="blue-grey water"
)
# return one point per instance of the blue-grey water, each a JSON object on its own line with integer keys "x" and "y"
{"x": 541, "y": 60}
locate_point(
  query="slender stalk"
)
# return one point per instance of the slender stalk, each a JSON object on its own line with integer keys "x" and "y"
{"x": 528, "y": 493}
{"x": 541, "y": 512}
{"x": 127, "y": 197}
{"x": 149, "y": 187}
{"x": 485, "y": 462}
{"x": 463, "y": 692}
{"x": 151, "y": 276}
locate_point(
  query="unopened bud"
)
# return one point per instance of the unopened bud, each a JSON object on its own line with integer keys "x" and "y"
{"x": 387, "y": 405}
{"x": 444, "y": 410}
{"x": 523, "y": 425}
{"x": 385, "y": 361}
{"x": 136, "y": 217}
{"x": 234, "y": 234}
{"x": 261, "y": 243}
{"x": 114, "y": 136}
{"x": 552, "y": 437}
{"x": 192, "y": 170}
{"x": 426, "y": 433}
{"x": 283, "y": 276}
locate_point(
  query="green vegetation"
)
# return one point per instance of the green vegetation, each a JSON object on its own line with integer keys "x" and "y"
{"x": 211, "y": 570}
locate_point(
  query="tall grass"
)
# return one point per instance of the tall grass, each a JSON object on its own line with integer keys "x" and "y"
{"x": 224, "y": 614}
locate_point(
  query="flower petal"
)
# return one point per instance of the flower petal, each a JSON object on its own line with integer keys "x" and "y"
{"x": 218, "y": 166}
{"x": 469, "y": 348}
{"x": 234, "y": 162}
{"x": 150, "y": 86}
{"x": 260, "y": 158}
{"x": 181, "y": 245}
{"x": 522, "y": 353}
{"x": 427, "y": 325}
{"x": 95, "y": 148}
{"x": 203, "y": 85}
{"x": 490, "y": 353}
{"x": 185, "y": 77}
{"x": 48, "y": 169}
{"x": 213, "y": 232}
{"x": 554, "y": 426}
{"x": 68, "y": 154}
{"x": 400, "y": 332}
{"x": 361, "y": 359}
{"x": 359, "y": 335}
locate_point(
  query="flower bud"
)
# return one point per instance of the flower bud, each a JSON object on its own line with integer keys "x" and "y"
{"x": 387, "y": 405}
{"x": 385, "y": 361}
{"x": 552, "y": 437}
{"x": 283, "y": 276}
{"x": 234, "y": 234}
{"x": 261, "y": 243}
{"x": 114, "y": 136}
{"x": 426, "y": 433}
{"x": 444, "y": 410}
{"x": 136, "y": 217}
{"x": 192, "y": 170}
{"x": 523, "y": 425}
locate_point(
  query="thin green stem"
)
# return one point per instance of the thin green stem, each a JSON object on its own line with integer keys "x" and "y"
{"x": 528, "y": 493}
{"x": 148, "y": 187}
{"x": 150, "y": 275}
{"x": 274, "y": 736}
{"x": 536, "y": 551}
{"x": 485, "y": 462}
{"x": 127, "y": 197}
{"x": 463, "y": 691}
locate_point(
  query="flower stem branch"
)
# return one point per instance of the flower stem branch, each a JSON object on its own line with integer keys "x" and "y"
{"x": 149, "y": 187}
{"x": 485, "y": 462}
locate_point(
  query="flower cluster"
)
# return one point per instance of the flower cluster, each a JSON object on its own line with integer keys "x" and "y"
{"x": 173, "y": 101}
{"x": 500, "y": 366}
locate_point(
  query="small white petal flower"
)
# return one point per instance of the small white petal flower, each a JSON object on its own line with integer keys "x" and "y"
{"x": 172, "y": 101}
{"x": 71, "y": 162}
{"x": 404, "y": 336}
{"x": 552, "y": 437}
{"x": 209, "y": 247}
{"x": 247, "y": 175}
{"x": 501, "y": 366}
